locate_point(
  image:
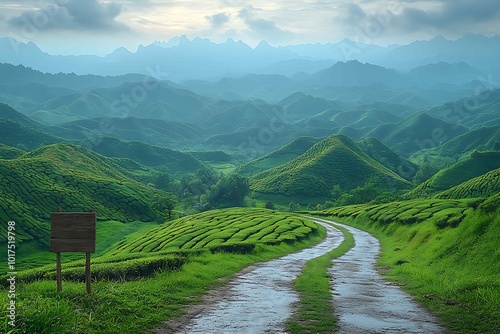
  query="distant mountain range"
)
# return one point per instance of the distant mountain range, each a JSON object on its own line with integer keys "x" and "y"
{"x": 181, "y": 59}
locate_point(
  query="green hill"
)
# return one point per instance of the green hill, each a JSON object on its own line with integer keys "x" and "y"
{"x": 153, "y": 156}
{"x": 281, "y": 156}
{"x": 482, "y": 186}
{"x": 475, "y": 165}
{"x": 415, "y": 133}
{"x": 388, "y": 158}
{"x": 472, "y": 111}
{"x": 35, "y": 184}
{"x": 151, "y": 131}
{"x": 483, "y": 138}
{"x": 333, "y": 161}
{"x": 9, "y": 152}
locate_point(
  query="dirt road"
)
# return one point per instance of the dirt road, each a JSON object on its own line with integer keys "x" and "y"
{"x": 365, "y": 303}
{"x": 257, "y": 300}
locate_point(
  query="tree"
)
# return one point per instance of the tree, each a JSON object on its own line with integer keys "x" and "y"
{"x": 164, "y": 205}
{"x": 228, "y": 191}
{"x": 269, "y": 205}
{"x": 292, "y": 206}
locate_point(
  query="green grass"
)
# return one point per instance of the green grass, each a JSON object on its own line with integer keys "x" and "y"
{"x": 314, "y": 312}
{"x": 134, "y": 291}
{"x": 457, "y": 262}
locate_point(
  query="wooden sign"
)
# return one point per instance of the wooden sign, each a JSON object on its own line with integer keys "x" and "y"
{"x": 73, "y": 232}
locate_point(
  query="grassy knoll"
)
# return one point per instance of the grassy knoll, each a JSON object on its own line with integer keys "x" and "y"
{"x": 314, "y": 312}
{"x": 135, "y": 290}
{"x": 336, "y": 160}
{"x": 444, "y": 252}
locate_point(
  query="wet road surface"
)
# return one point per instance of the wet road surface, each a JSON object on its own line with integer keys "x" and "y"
{"x": 365, "y": 303}
{"x": 259, "y": 300}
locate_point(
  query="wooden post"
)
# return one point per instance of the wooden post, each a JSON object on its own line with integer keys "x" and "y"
{"x": 87, "y": 272}
{"x": 58, "y": 269}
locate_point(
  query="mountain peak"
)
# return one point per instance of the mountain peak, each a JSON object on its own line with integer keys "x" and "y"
{"x": 263, "y": 45}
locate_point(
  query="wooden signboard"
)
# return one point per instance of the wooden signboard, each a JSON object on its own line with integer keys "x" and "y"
{"x": 73, "y": 232}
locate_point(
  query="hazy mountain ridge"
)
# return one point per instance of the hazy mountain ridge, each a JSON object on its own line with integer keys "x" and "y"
{"x": 246, "y": 59}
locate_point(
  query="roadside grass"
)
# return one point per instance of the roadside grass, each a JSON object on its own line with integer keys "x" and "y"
{"x": 451, "y": 265}
{"x": 314, "y": 312}
{"x": 139, "y": 304}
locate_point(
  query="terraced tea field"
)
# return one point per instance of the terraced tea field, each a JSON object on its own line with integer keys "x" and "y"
{"x": 482, "y": 186}
{"x": 442, "y": 212}
{"x": 235, "y": 230}
{"x": 167, "y": 246}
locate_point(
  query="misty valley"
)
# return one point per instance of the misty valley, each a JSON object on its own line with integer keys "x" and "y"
{"x": 346, "y": 187}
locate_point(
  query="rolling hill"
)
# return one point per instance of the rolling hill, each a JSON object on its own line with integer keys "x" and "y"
{"x": 415, "y": 133}
{"x": 475, "y": 165}
{"x": 333, "y": 161}
{"x": 34, "y": 184}
{"x": 153, "y": 156}
{"x": 388, "y": 158}
{"x": 483, "y": 138}
{"x": 485, "y": 185}
{"x": 354, "y": 73}
{"x": 281, "y": 156}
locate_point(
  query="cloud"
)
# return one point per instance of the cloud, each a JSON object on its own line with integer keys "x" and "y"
{"x": 449, "y": 14}
{"x": 218, "y": 20}
{"x": 89, "y": 15}
{"x": 263, "y": 28}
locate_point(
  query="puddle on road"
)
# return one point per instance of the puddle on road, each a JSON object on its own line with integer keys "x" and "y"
{"x": 259, "y": 300}
{"x": 365, "y": 303}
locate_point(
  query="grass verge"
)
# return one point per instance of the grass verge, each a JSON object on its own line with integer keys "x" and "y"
{"x": 314, "y": 312}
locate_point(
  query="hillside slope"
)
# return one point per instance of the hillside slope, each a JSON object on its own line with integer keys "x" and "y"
{"x": 283, "y": 155}
{"x": 415, "y": 133}
{"x": 333, "y": 161}
{"x": 475, "y": 165}
{"x": 35, "y": 184}
{"x": 482, "y": 186}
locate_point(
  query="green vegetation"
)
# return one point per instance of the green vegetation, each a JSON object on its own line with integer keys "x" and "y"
{"x": 136, "y": 289}
{"x": 483, "y": 138}
{"x": 153, "y": 156}
{"x": 281, "y": 156}
{"x": 74, "y": 178}
{"x": 415, "y": 133}
{"x": 314, "y": 313}
{"x": 474, "y": 165}
{"x": 444, "y": 252}
{"x": 333, "y": 161}
{"x": 482, "y": 186}
{"x": 388, "y": 158}
{"x": 221, "y": 227}
{"x": 8, "y": 152}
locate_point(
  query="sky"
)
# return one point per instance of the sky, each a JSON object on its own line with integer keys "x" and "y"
{"x": 99, "y": 27}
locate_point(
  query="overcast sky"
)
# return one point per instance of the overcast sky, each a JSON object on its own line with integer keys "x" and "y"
{"x": 99, "y": 27}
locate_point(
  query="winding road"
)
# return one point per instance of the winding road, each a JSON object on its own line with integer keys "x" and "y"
{"x": 259, "y": 299}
